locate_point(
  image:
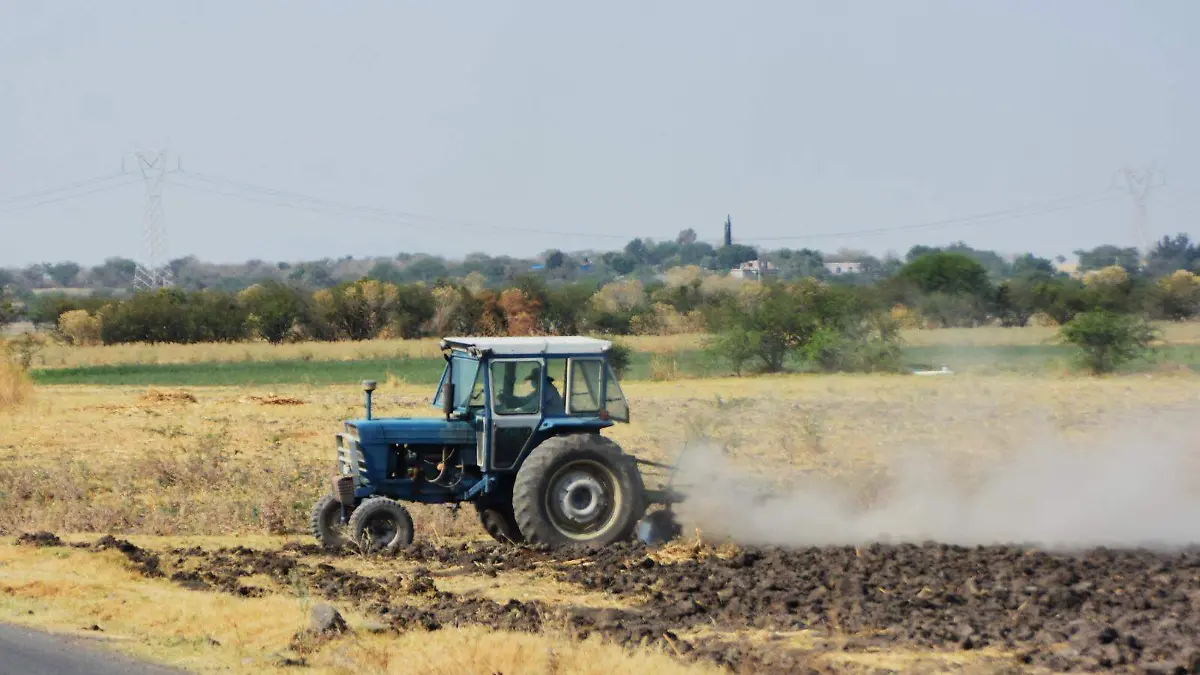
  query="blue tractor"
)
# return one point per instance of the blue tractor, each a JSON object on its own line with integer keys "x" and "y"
{"x": 528, "y": 455}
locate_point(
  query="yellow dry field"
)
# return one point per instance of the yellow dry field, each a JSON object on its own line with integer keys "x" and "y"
{"x": 215, "y": 466}
{"x": 64, "y": 356}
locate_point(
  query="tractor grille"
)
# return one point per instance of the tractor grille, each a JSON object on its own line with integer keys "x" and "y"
{"x": 350, "y": 459}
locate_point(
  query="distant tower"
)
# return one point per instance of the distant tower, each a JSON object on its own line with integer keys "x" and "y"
{"x": 152, "y": 271}
{"x": 728, "y": 230}
{"x": 1139, "y": 185}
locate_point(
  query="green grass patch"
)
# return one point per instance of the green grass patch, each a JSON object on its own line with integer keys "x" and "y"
{"x": 1029, "y": 359}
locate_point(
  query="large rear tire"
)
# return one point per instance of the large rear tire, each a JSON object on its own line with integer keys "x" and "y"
{"x": 380, "y": 524}
{"x": 326, "y": 525}
{"x": 578, "y": 489}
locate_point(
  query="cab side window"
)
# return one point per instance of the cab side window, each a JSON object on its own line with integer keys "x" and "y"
{"x": 516, "y": 387}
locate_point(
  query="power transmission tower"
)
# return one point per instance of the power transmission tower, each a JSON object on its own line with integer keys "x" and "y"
{"x": 152, "y": 271}
{"x": 1139, "y": 185}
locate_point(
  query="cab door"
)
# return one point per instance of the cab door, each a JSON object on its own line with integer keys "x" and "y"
{"x": 516, "y": 408}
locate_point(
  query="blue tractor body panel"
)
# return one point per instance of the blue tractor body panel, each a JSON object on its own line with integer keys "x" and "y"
{"x": 413, "y": 430}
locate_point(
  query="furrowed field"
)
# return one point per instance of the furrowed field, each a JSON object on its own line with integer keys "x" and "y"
{"x": 207, "y": 458}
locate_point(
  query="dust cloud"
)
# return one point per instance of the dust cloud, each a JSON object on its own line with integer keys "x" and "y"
{"x": 1127, "y": 485}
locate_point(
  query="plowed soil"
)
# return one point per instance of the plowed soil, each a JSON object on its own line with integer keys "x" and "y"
{"x": 1095, "y": 610}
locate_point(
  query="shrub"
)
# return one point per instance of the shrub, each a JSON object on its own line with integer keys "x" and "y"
{"x": 1177, "y": 297}
{"x": 79, "y": 328}
{"x": 834, "y": 328}
{"x": 734, "y": 345}
{"x": 618, "y": 356}
{"x": 867, "y": 344}
{"x": 1107, "y": 340}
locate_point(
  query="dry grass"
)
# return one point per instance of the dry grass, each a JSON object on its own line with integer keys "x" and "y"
{"x": 66, "y": 356}
{"x": 995, "y": 336}
{"x": 122, "y": 459}
{"x": 14, "y": 385}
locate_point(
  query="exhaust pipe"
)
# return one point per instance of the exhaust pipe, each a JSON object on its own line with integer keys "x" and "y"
{"x": 368, "y": 387}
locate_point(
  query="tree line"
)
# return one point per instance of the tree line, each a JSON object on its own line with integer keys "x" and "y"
{"x": 640, "y": 258}
{"x": 846, "y": 322}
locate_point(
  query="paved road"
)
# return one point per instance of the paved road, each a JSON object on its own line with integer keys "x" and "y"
{"x": 28, "y": 652}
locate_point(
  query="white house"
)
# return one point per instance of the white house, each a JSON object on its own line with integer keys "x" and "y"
{"x": 844, "y": 267}
{"x": 753, "y": 269}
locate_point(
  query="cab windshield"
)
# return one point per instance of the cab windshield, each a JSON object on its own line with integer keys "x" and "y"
{"x": 468, "y": 382}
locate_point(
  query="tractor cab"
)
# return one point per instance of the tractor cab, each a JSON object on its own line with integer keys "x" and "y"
{"x": 519, "y": 437}
{"x": 515, "y": 390}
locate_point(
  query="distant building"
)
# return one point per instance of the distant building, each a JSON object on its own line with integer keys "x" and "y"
{"x": 844, "y": 267}
{"x": 753, "y": 270}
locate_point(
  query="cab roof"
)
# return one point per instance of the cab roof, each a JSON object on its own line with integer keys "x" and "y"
{"x": 528, "y": 346}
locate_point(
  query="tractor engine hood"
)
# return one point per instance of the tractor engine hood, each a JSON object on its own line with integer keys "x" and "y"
{"x": 416, "y": 430}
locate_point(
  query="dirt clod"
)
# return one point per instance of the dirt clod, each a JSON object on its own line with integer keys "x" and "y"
{"x": 161, "y": 397}
{"x": 39, "y": 539}
{"x": 1096, "y": 610}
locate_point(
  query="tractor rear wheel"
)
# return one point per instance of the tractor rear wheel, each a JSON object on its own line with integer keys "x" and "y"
{"x": 500, "y": 523}
{"x": 381, "y": 524}
{"x": 578, "y": 489}
{"x": 326, "y": 524}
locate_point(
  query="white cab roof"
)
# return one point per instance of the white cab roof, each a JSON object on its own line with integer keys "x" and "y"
{"x": 511, "y": 346}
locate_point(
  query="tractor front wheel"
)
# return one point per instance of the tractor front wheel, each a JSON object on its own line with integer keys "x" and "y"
{"x": 578, "y": 489}
{"x": 326, "y": 524}
{"x": 381, "y": 524}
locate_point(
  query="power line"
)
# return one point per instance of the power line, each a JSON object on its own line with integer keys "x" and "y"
{"x": 319, "y": 205}
{"x": 64, "y": 197}
{"x": 990, "y": 216}
{"x": 62, "y": 188}
{"x": 301, "y": 201}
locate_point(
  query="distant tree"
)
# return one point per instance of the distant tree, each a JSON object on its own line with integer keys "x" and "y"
{"x": 1171, "y": 254}
{"x": 794, "y": 264}
{"x": 636, "y": 251}
{"x": 566, "y": 308}
{"x": 114, "y": 273}
{"x": 1015, "y": 302}
{"x": 697, "y": 253}
{"x": 1059, "y": 298}
{"x": 1106, "y": 256}
{"x": 619, "y": 263}
{"x": 943, "y": 272}
{"x": 555, "y": 259}
{"x": 173, "y": 315}
{"x": 275, "y": 309}
{"x": 1029, "y": 265}
{"x": 8, "y": 308}
{"x": 733, "y": 255}
{"x": 823, "y": 325}
{"x": 1176, "y": 297}
{"x": 63, "y": 273}
{"x": 384, "y": 271}
{"x": 426, "y": 269}
{"x": 46, "y": 308}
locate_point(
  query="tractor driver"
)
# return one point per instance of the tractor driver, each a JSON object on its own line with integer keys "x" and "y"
{"x": 552, "y": 401}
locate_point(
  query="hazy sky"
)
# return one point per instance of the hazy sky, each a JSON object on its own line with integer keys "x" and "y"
{"x": 613, "y": 120}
